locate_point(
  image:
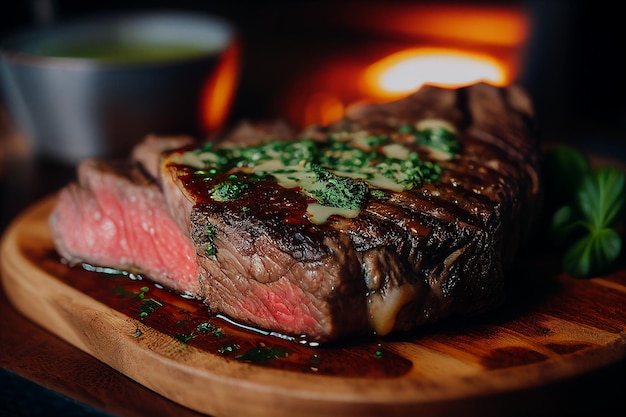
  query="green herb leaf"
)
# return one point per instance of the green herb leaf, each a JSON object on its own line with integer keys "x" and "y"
{"x": 335, "y": 191}
{"x": 439, "y": 138}
{"x": 148, "y": 306}
{"x": 564, "y": 225}
{"x": 590, "y": 207}
{"x": 184, "y": 338}
{"x": 601, "y": 196}
{"x": 231, "y": 189}
{"x": 262, "y": 354}
{"x": 592, "y": 253}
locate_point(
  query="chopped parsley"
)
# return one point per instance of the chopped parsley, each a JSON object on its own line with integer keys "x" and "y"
{"x": 210, "y": 249}
{"x": 184, "y": 338}
{"x": 335, "y": 191}
{"x": 231, "y": 189}
{"x": 436, "y": 135}
{"x": 262, "y": 354}
{"x": 148, "y": 306}
{"x": 338, "y": 173}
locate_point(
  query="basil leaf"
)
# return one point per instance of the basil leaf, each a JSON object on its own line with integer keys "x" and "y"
{"x": 577, "y": 259}
{"x": 592, "y": 254}
{"x": 564, "y": 225}
{"x": 601, "y": 196}
{"x": 586, "y": 219}
{"x": 606, "y": 248}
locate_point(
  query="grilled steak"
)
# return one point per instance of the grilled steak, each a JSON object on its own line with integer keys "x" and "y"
{"x": 116, "y": 217}
{"x": 399, "y": 215}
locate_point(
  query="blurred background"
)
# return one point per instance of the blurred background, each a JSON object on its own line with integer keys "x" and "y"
{"x": 305, "y": 60}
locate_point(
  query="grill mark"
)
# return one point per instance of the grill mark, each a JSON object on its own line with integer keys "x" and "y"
{"x": 460, "y": 229}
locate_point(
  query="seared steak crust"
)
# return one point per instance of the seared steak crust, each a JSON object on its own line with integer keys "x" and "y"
{"x": 408, "y": 258}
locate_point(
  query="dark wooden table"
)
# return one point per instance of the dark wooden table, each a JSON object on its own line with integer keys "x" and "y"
{"x": 41, "y": 375}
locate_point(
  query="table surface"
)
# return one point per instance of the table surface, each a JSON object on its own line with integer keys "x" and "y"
{"x": 41, "y": 375}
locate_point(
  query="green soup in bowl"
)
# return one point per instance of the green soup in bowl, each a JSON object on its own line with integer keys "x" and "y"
{"x": 132, "y": 52}
{"x": 96, "y": 86}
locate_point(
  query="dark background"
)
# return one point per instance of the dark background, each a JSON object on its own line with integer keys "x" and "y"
{"x": 573, "y": 68}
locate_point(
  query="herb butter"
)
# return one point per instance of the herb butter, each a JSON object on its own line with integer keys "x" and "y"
{"x": 338, "y": 174}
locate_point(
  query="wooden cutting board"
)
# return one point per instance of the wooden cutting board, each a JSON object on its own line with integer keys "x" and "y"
{"x": 553, "y": 327}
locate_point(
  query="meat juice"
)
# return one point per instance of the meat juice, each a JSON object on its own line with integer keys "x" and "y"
{"x": 190, "y": 322}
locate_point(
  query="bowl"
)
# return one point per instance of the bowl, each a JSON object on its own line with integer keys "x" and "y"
{"x": 95, "y": 86}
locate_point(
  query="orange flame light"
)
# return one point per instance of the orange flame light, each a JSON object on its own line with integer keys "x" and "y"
{"x": 323, "y": 109}
{"x": 444, "y": 45}
{"x": 218, "y": 92}
{"x": 404, "y": 72}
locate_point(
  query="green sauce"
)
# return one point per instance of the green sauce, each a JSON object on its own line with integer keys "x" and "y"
{"x": 127, "y": 52}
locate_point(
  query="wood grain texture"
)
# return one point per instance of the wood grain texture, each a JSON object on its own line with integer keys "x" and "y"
{"x": 555, "y": 327}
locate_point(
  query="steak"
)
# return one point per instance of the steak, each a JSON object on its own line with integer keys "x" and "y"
{"x": 116, "y": 217}
{"x": 399, "y": 215}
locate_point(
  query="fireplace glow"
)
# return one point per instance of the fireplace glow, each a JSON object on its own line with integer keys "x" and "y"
{"x": 323, "y": 108}
{"x": 404, "y": 72}
{"x": 401, "y": 46}
{"x": 218, "y": 91}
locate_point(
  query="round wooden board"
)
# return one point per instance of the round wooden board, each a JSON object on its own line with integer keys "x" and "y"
{"x": 558, "y": 327}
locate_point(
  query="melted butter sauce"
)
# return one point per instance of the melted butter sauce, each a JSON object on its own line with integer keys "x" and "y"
{"x": 190, "y": 322}
{"x": 268, "y": 200}
{"x": 382, "y": 162}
